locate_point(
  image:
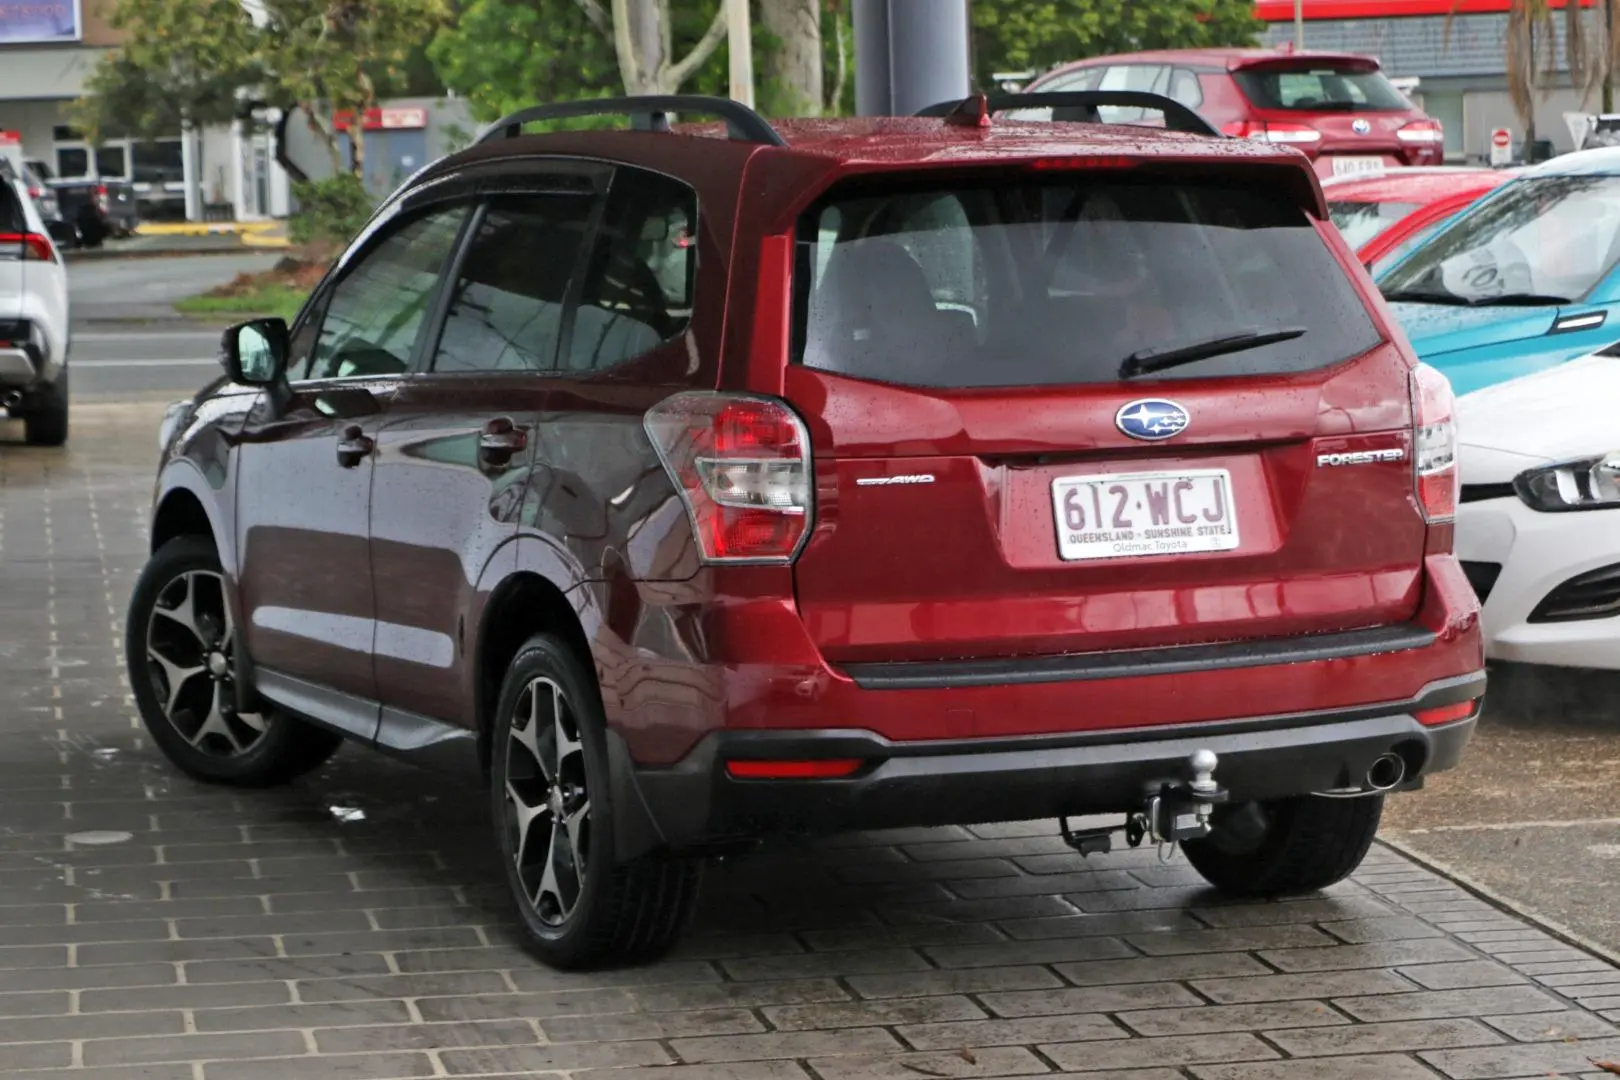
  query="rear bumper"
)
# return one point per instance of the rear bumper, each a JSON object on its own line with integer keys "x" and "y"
{"x": 697, "y": 803}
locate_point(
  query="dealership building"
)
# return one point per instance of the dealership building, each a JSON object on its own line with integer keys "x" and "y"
{"x": 1454, "y": 50}
{"x": 1449, "y": 53}
{"x": 48, "y": 48}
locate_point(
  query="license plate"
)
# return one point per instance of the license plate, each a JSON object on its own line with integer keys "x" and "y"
{"x": 1119, "y": 515}
{"x": 1351, "y": 166}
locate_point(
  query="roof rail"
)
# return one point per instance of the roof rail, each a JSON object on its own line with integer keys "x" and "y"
{"x": 648, "y": 112}
{"x": 975, "y": 111}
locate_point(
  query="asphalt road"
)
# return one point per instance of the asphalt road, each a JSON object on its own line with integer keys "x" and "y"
{"x": 129, "y": 344}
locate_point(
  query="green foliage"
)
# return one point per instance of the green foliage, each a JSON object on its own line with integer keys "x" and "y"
{"x": 1016, "y": 35}
{"x": 504, "y": 55}
{"x": 188, "y": 59}
{"x": 330, "y": 211}
{"x": 263, "y": 302}
{"x": 181, "y": 59}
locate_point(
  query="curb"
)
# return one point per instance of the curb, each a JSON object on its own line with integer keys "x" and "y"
{"x": 1484, "y": 892}
{"x": 206, "y": 228}
{"x": 257, "y": 240}
{"x": 103, "y": 254}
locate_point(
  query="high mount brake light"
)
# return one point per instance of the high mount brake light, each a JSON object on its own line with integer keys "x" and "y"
{"x": 1434, "y": 445}
{"x": 742, "y": 467}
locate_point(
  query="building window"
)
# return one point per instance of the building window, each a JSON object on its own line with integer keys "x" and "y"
{"x": 158, "y": 162}
{"x": 72, "y": 162}
{"x": 111, "y": 161}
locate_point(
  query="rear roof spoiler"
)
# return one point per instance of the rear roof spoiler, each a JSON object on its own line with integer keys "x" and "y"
{"x": 1071, "y": 106}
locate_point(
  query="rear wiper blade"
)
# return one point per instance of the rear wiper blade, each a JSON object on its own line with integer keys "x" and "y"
{"x": 1520, "y": 299}
{"x": 1422, "y": 296}
{"x": 1144, "y": 361}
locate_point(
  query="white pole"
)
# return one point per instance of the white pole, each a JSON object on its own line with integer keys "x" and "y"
{"x": 741, "y": 44}
{"x": 1299, "y": 24}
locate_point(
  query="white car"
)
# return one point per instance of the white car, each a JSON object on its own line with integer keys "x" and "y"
{"x": 33, "y": 317}
{"x": 1538, "y": 529}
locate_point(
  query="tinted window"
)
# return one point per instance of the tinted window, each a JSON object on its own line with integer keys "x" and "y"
{"x": 638, "y": 292}
{"x": 1361, "y": 222}
{"x": 1403, "y": 249}
{"x": 1060, "y": 282}
{"x": 507, "y": 310}
{"x": 1185, "y": 89}
{"x": 12, "y": 218}
{"x": 1320, "y": 88}
{"x": 158, "y": 162}
{"x": 374, "y": 314}
{"x": 1552, "y": 236}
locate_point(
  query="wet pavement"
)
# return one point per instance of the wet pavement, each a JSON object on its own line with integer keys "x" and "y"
{"x": 350, "y": 927}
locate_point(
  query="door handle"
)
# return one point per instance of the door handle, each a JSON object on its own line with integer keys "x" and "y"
{"x": 353, "y": 446}
{"x": 499, "y": 440}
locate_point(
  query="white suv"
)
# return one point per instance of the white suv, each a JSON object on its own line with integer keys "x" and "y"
{"x": 33, "y": 317}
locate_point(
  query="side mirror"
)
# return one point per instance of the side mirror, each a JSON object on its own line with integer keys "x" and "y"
{"x": 255, "y": 353}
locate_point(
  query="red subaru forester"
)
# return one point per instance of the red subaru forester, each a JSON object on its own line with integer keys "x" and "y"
{"x": 693, "y": 485}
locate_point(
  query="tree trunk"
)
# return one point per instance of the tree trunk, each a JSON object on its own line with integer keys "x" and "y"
{"x": 643, "y": 38}
{"x": 795, "y": 64}
{"x": 640, "y": 30}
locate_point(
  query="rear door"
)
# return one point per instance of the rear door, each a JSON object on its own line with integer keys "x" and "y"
{"x": 998, "y": 477}
{"x": 456, "y": 454}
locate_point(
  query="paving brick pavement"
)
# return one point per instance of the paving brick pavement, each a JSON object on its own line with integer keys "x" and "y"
{"x": 349, "y": 926}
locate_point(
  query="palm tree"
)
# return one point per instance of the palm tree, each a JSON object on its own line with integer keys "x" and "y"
{"x": 1532, "y": 51}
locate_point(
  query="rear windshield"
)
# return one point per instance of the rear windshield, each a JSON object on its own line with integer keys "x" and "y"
{"x": 1320, "y": 88}
{"x": 1361, "y": 222}
{"x": 1063, "y": 281}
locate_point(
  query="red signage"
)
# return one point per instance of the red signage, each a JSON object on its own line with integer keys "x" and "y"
{"x": 383, "y": 119}
{"x": 1283, "y": 10}
{"x": 10, "y": 138}
{"x": 1502, "y": 137}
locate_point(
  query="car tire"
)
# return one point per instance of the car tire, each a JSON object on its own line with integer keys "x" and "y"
{"x": 1289, "y": 846}
{"x": 45, "y": 423}
{"x": 553, "y": 814}
{"x": 179, "y": 648}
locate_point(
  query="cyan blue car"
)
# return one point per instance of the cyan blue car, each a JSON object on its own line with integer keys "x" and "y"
{"x": 1522, "y": 280}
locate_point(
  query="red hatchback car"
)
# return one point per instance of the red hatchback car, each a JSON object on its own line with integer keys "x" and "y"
{"x": 693, "y": 486}
{"x": 1338, "y": 109}
{"x": 1384, "y": 216}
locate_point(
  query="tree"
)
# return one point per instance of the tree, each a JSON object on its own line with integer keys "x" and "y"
{"x": 505, "y": 54}
{"x": 1531, "y": 47}
{"x": 192, "y": 60}
{"x": 793, "y": 58}
{"x": 1012, "y": 35}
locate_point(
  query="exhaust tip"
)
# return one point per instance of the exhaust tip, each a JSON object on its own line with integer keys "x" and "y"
{"x": 1386, "y": 772}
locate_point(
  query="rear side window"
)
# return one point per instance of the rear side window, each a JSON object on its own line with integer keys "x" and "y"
{"x": 1361, "y": 222}
{"x": 1062, "y": 282}
{"x": 1320, "y": 89}
{"x": 638, "y": 290}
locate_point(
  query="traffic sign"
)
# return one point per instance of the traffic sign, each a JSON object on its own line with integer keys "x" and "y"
{"x": 1501, "y": 146}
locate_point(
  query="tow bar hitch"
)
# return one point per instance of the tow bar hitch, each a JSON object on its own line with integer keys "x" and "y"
{"x": 1174, "y": 813}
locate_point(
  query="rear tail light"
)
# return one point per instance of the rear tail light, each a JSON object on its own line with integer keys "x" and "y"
{"x": 28, "y": 247}
{"x": 1285, "y": 134}
{"x": 1422, "y": 133}
{"x": 102, "y": 201}
{"x": 1434, "y": 444}
{"x": 742, "y": 467}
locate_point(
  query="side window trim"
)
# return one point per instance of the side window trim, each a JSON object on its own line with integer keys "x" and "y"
{"x": 582, "y": 272}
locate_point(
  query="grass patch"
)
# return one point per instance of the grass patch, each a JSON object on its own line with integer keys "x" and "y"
{"x": 280, "y": 290}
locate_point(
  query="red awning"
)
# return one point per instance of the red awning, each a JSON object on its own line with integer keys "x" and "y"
{"x": 1283, "y": 10}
